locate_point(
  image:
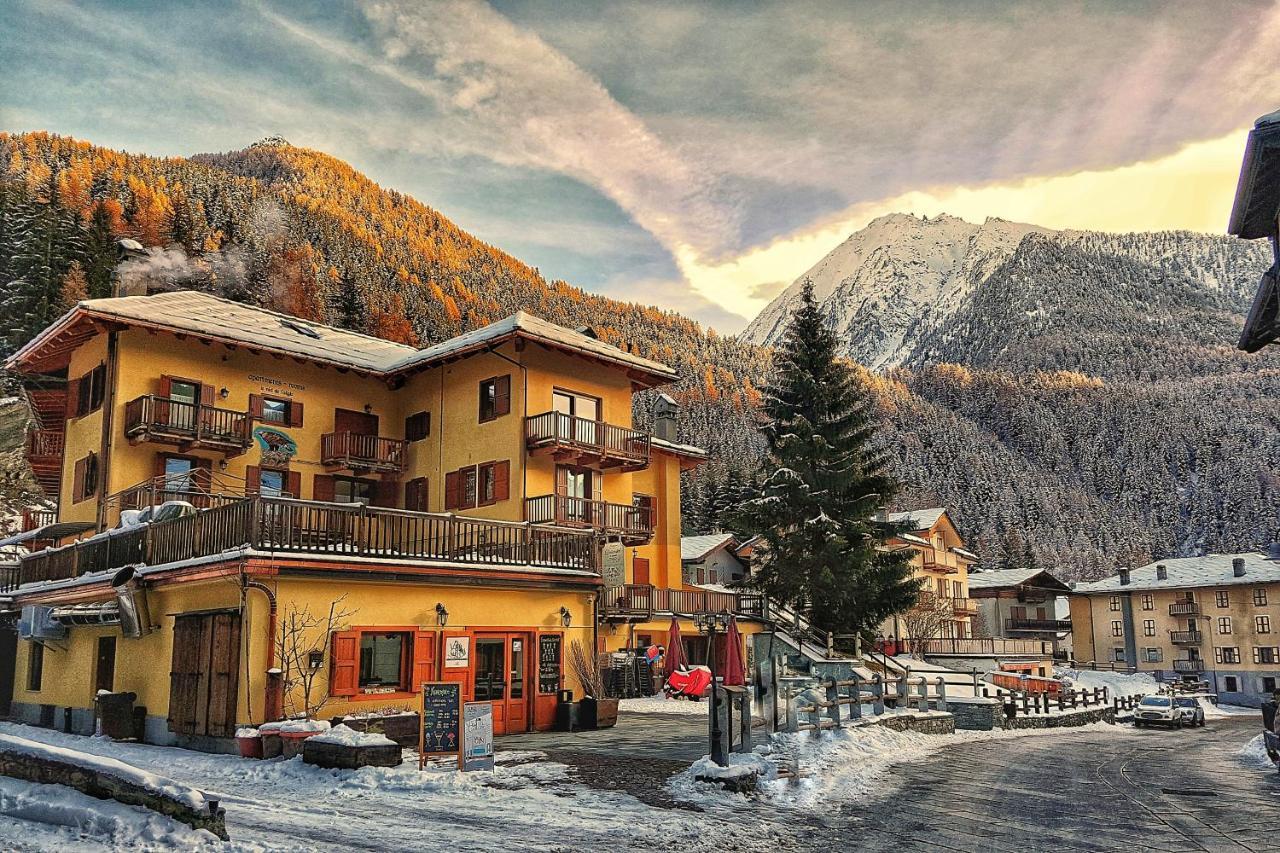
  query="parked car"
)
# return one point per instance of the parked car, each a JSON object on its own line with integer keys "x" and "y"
{"x": 1160, "y": 711}
{"x": 1192, "y": 710}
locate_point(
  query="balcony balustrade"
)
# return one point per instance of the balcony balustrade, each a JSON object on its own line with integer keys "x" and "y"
{"x": 362, "y": 452}
{"x": 1184, "y": 608}
{"x": 580, "y": 441}
{"x": 641, "y": 602}
{"x": 1186, "y": 638}
{"x": 1188, "y": 665}
{"x": 169, "y": 421}
{"x": 1037, "y": 626}
{"x": 633, "y": 523}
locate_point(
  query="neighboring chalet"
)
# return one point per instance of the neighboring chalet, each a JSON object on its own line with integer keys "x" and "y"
{"x": 713, "y": 559}
{"x": 475, "y": 507}
{"x": 1018, "y": 603}
{"x": 941, "y": 562}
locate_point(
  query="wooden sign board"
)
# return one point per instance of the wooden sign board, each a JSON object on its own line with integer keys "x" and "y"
{"x": 549, "y": 656}
{"x": 477, "y": 736}
{"x": 441, "y": 729}
{"x": 613, "y": 564}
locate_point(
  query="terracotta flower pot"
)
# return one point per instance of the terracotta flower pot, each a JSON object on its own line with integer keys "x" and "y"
{"x": 250, "y": 746}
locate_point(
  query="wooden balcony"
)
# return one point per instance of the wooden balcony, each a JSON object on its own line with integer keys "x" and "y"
{"x": 964, "y": 606}
{"x": 362, "y": 452}
{"x": 1184, "y": 608}
{"x": 930, "y": 565}
{"x": 1186, "y": 638}
{"x": 988, "y": 646}
{"x": 641, "y": 602}
{"x": 287, "y": 526}
{"x": 633, "y": 523}
{"x": 34, "y": 519}
{"x": 593, "y": 444}
{"x": 187, "y": 425}
{"x": 1188, "y": 665}
{"x": 1037, "y": 626}
{"x": 44, "y": 453}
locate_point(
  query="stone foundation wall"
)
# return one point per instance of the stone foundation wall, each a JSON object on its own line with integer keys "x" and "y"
{"x": 987, "y": 714}
{"x": 933, "y": 724}
{"x": 1068, "y": 719}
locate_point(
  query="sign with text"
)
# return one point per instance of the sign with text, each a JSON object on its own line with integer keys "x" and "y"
{"x": 457, "y": 652}
{"x": 613, "y": 564}
{"x": 549, "y": 651}
{"x": 441, "y": 732}
{"x": 477, "y": 736}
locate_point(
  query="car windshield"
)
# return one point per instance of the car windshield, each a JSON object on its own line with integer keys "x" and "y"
{"x": 1186, "y": 702}
{"x": 1155, "y": 702}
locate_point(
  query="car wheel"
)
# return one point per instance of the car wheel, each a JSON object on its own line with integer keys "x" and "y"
{"x": 1202, "y": 722}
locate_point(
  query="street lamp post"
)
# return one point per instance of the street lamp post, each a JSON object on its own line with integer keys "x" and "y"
{"x": 708, "y": 623}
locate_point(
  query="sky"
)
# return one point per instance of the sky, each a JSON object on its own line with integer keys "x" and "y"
{"x": 698, "y": 156}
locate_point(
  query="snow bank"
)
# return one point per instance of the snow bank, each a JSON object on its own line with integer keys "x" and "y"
{"x": 740, "y": 764}
{"x": 1221, "y": 711}
{"x": 1117, "y": 683}
{"x": 660, "y": 704}
{"x": 1254, "y": 754}
{"x": 346, "y": 736}
{"x": 99, "y": 764}
{"x": 55, "y": 817}
{"x": 294, "y": 726}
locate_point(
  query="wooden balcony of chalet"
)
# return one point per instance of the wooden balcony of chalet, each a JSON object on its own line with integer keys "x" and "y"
{"x": 283, "y": 526}
{"x": 44, "y": 454}
{"x": 640, "y": 602}
{"x": 930, "y": 564}
{"x": 1037, "y": 626}
{"x": 362, "y": 452}
{"x": 962, "y": 606}
{"x": 1188, "y": 665}
{"x": 634, "y": 524}
{"x": 1186, "y": 638}
{"x": 34, "y": 519}
{"x": 186, "y": 425}
{"x": 1184, "y": 608}
{"x": 593, "y": 444}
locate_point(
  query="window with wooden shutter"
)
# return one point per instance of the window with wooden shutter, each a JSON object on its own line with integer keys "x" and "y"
{"x": 77, "y": 483}
{"x": 452, "y": 490}
{"x": 495, "y": 397}
{"x": 322, "y": 488}
{"x": 424, "y": 659}
{"x": 295, "y": 413}
{"x": 293, "y": 479}
{"x": 344, "y": 663}
{"x": 502, "y": 404}
{"x": 252, "y": 479}
{"x": 640, "y": 570}
{"x": 384, "y": 492}
{"x": 73, "y": 399}
{"x": 502, "y": 480}
{"x": 417, "y": 426}
{"x": 255, "y": 406}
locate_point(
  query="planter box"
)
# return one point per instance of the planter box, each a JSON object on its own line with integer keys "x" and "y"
{"x": 401, "y": 728}
{"x": 597, "y": 713}
{"x": 272, "y": 746}
{"x": 323, "y": 754}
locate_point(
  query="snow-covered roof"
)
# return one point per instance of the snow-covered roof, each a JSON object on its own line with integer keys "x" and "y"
{"x": 1210, "y": 570}
{"x": 916, "y": 540}
{"x": 679, "y": 449}
{"x": 225, "y": 321}
{"x": 1000, "y": 578}
{"x": 697, "y": 547}
{"x": 921, "y": 519}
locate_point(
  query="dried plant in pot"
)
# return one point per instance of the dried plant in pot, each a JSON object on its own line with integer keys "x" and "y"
{"x": 595, "y": 711}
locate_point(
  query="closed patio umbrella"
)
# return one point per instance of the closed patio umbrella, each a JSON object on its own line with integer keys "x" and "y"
{"x": 675, "y": 647}
{"x": 732, "y": 669}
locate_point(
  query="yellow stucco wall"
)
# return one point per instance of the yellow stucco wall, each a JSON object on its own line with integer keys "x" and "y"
{"x": 83, "y": 435}
{"x": 661, "y": 480}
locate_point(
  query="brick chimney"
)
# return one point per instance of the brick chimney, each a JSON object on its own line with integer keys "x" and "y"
{"x": 665, "y": 413}
{"x": 1237, "y": 566}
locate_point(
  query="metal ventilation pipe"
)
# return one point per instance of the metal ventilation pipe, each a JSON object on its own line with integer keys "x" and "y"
{"x": 135, "y": 616}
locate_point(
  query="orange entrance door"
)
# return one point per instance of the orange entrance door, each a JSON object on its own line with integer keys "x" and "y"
{"x": 501, "y": 676}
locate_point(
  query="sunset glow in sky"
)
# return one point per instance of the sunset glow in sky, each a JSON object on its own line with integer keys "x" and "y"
{"x": 697, "y": 156}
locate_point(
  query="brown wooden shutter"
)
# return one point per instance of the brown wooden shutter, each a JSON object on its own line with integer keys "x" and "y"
{"x": 415, "y": 494}
{"x": 224, "y": 670}
{"x": 417, "y": 426}
{"x": 322, "y": 488}
{"x": 452, "y": 490}
{"x": 562, "y": 480}
{"x": 159, "y": 464}
{"x": 294, "y": 483}
{"x": 295, "y": 413}
{"x": 208, "y": 395}
{"x": 190, "y": 639}
{"x": 255, "y": 405}
{"x": 77, "y": 482}
{"x": 84, "y": 393}
{"x": 252, "y": 480}
{"x": 424, "y": 659}
{"x": 344, "y": 660}
{"x": 501, "y": 480}
{"x": 640, "y": 570}
{"x": 502, "y": 395}
{"x": 384, "y": 491}
{"x": 73, "y": 399}
{"x": 166, "y": 386}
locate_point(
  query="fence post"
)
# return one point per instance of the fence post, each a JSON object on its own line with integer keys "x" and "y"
{"x": 922, "y": 704}
{"x": 903, "y": 689}
{"x": 792, "y": 719}
{"x": 855, "y": 710}
{"x": 942, "y": 693}
{"x": 877, "y": 694}
{"x": 976, "y": 682}
{"x": 1026, "y": 705}
{"x": 833, "y": 702}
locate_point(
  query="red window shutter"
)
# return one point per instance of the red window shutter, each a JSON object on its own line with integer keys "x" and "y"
{"x": 344, "y": 663}
{"x": 384, "y": 492}
{"x": 452, "y": 490}
{"x": 252, "y": 479}
{"x": 160, "y": 463}
{"x": 166, "y": 386}
{"x": 502, "y": 480}
{"x": 424, "y": 659}
{"x": 640, "y": 570}
{"x": 502, "y": 395}
{"x": 322, "y": 488}
{"x": 77, "y": 488}
{"x": 208, "y": 395}
{"x": 295, "y": 413}
{"x": 255, "y": 405}
{"x": 294, "y": 480}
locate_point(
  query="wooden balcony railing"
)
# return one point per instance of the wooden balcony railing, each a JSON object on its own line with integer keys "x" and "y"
{"x": 633, "y": 523}
{"x": 1188, "y": 665}
{"x": 1186, "y": 638}
{"x": 961, "y": 606}
{"x": 1038, "y": 625}
{"x": 929, "y": 564}
{"x": 587, "y": 442}
{"x": 643, "y": 601}
{"x": 153, "y": 418}
{"x": 364, "y": 452}
{"x": 45, "y": 443}
{"x": 34, "y": 519}
{"x": 987, "y": 646}
{"x": 293, "y": 526}
{"x": 1184, "y": 608}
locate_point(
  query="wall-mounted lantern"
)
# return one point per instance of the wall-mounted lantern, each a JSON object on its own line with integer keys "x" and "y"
{"x": 315, "y": 660}
{"x": 442, "y": 615}
{"x": 565, "y": 617}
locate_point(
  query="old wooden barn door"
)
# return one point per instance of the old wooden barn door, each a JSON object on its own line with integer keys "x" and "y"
{"x": 204, "y": 679}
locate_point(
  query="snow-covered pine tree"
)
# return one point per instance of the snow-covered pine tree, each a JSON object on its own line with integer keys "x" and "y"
{"x": 816, "y": 512}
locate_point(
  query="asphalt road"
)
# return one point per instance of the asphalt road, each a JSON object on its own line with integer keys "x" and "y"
{"x": 1184, "y": 790}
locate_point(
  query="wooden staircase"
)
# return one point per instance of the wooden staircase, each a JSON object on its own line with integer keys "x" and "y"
{"x": 45, "y": 438}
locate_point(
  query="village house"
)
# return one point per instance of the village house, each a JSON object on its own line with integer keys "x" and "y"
{"x": 1214, "y": 619}
{"x": 1019, "y": 603}
{"x": 713, "y": 559}
{"x": 465, "y": 511}
{"x": 940, "y": 561}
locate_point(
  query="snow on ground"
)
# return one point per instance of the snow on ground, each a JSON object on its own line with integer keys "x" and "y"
{"x": 1220, "y": 711}
{"x": 1117, "y": 683}
{"x": 1254, "y": 754}
{"x": 660, "y": 704}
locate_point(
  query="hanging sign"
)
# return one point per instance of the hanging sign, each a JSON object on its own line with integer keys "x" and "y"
{"x": 441, "y": 729}
{"x": 613, "y": 564}
{"x": 549, "y": 646}
{"x": 457, "y": 652}
{"x": 477, "y": 736}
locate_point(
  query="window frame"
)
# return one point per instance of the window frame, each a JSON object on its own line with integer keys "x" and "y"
{"x": 1153, "y": 654}
{"x": 1224, "y": 624}
{"x": 1262, "y": 624}
{"x": 1222, "y": 597}
{"x": 417, "y": 427}
{"x": 372, "y": 484}
{"x": 404, "y": 681}
{"x": 1259, "y": 596}
{"x": 1117, "y": 628}
{"x": 1148, "y": 627}
{"x": 1118, "y": 655}
{"x": 1148, "y": 601}
{"x": 492, "y": 404}
{"x": 1114, "y": 605}
{"x": 1226, "y": 654}
{"x": 263, "y": 473}
{"x": 286, "y": 415}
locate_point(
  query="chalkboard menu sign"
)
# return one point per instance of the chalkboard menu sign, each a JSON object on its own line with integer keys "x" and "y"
{"x": 549, "y": 663}
{"x": 441, "y": 718}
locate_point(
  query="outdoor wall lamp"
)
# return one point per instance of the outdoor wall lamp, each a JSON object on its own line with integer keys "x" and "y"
{"x": 442, "y": 615}
{"x": 315, "y": 660}
{"x": 222, "y": 464}
{"x": 368, "y": 408}
{"x": 224, "y": 393}
{"x": 565, "y": 617}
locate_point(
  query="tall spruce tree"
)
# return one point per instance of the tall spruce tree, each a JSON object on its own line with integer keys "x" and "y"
{"x": 816, "y": 512}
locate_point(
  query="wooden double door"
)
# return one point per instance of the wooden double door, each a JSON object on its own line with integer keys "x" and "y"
{"x": 502, "y": 675}
{"x": 204, "y": 676}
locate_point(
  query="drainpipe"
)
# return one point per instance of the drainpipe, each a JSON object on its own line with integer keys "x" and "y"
{"x": 273, "y": 699}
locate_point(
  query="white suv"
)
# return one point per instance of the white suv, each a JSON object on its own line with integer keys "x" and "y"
{"x": 1157, "y": 711}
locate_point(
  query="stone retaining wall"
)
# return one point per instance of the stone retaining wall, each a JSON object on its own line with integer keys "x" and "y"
{"x": 933, "y": 724}
{"x": 104, "y": 786}
{"x": 987, "y": 714}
